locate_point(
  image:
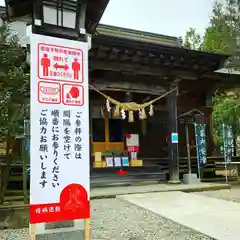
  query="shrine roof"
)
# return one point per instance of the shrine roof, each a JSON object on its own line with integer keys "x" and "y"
{"x": 137, "y": 35}
{"x": 113, "y": 45}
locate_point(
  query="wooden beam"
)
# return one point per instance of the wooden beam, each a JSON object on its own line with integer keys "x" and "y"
{"x": 142, "y": 70}
{"x": 104, "y": 85}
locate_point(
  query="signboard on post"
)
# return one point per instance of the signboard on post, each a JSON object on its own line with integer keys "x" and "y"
{"x": 228, "y": 145}
{"x": 132, "y": 144}
{"x": 174, "y": 137}
{"x": 59, "y": 182}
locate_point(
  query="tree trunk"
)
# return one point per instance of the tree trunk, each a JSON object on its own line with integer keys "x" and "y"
{"x": 5, "y": 171}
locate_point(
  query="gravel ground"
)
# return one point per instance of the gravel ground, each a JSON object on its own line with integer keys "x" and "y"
{"x": 225, "y": 194}
{"x": 115, "y": 219}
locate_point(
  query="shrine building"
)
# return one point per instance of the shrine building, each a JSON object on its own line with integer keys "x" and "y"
{"x": 133, "y": 66}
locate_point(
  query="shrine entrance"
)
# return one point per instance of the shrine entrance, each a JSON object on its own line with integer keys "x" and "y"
{"x": 123, "y": 141}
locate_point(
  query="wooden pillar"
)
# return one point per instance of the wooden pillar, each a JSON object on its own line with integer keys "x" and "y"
{"x": 173, "y": 147}
{"x": 208, "y": 113}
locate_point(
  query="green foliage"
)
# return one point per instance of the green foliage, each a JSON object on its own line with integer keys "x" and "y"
{"x": 14, "y": 85}
{"x": 226, "y": 109}
{"x": 14, "y": 92}
{"x": 223, "y": 33}
{"x": 219, "y": 34}
{"x": 192, "y": 40}
{"x": 222, "y": 36}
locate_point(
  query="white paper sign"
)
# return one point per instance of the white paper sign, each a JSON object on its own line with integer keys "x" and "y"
{"x": 109, "y": 161}
{"x": 132, "y": 140}
{"x": 125, "y": 161}
{"x": 59, "y": 130}
{"x": 117, "y": 162}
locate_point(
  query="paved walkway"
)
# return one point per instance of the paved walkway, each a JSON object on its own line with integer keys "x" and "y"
{"x": 215, "y": 218}
{"x": 114, "y": 191}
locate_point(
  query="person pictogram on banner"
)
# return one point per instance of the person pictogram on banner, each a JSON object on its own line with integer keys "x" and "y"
{"x": 76, "y": 69}
{"x": 45, "y": 62}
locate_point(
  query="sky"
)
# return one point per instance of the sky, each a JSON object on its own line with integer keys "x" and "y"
{"x": 167, "y": 17}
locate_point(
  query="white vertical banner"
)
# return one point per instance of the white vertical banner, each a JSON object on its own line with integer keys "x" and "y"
{"x": 59, "y": 182}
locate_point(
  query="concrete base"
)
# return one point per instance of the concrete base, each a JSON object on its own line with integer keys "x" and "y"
{"x": 174, "y": 182}
{"x": 191, "y": 179}
{"x": 62, "y": 236}
{"x": 59, "y": 229}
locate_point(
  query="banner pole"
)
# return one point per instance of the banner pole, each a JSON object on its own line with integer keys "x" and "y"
{"x": 32, "y": 231}
{"x": 224, "y": 151}
{"x": 87, "y": 229}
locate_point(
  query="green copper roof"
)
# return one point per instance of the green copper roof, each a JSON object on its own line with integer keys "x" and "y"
{"x": 138, "y": 35}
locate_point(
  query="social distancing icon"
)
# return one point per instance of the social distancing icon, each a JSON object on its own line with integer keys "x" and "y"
{"x": 60, "y": 63}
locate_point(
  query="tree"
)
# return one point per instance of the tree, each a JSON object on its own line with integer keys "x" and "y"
{"x": 222, "y": 36}
{"x": 226, "y": 109}
{"x": 14, "y": 86}
{"x": 219, "y": 34}
{"x": 192, "y": 40}
{"x": 223, "y": 33}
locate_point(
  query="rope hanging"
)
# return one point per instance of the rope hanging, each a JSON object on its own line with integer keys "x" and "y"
{"x": 122, "y": 107}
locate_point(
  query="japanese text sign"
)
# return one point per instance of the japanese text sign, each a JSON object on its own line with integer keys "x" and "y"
{"x": 59, "y": 182}
{"x": 228, "y": 142}
{"x": 132, "y": 143}
{"x": 174, "y": 137}
{"x": 56, "y": 62}
{"x": 201, "y": 143}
